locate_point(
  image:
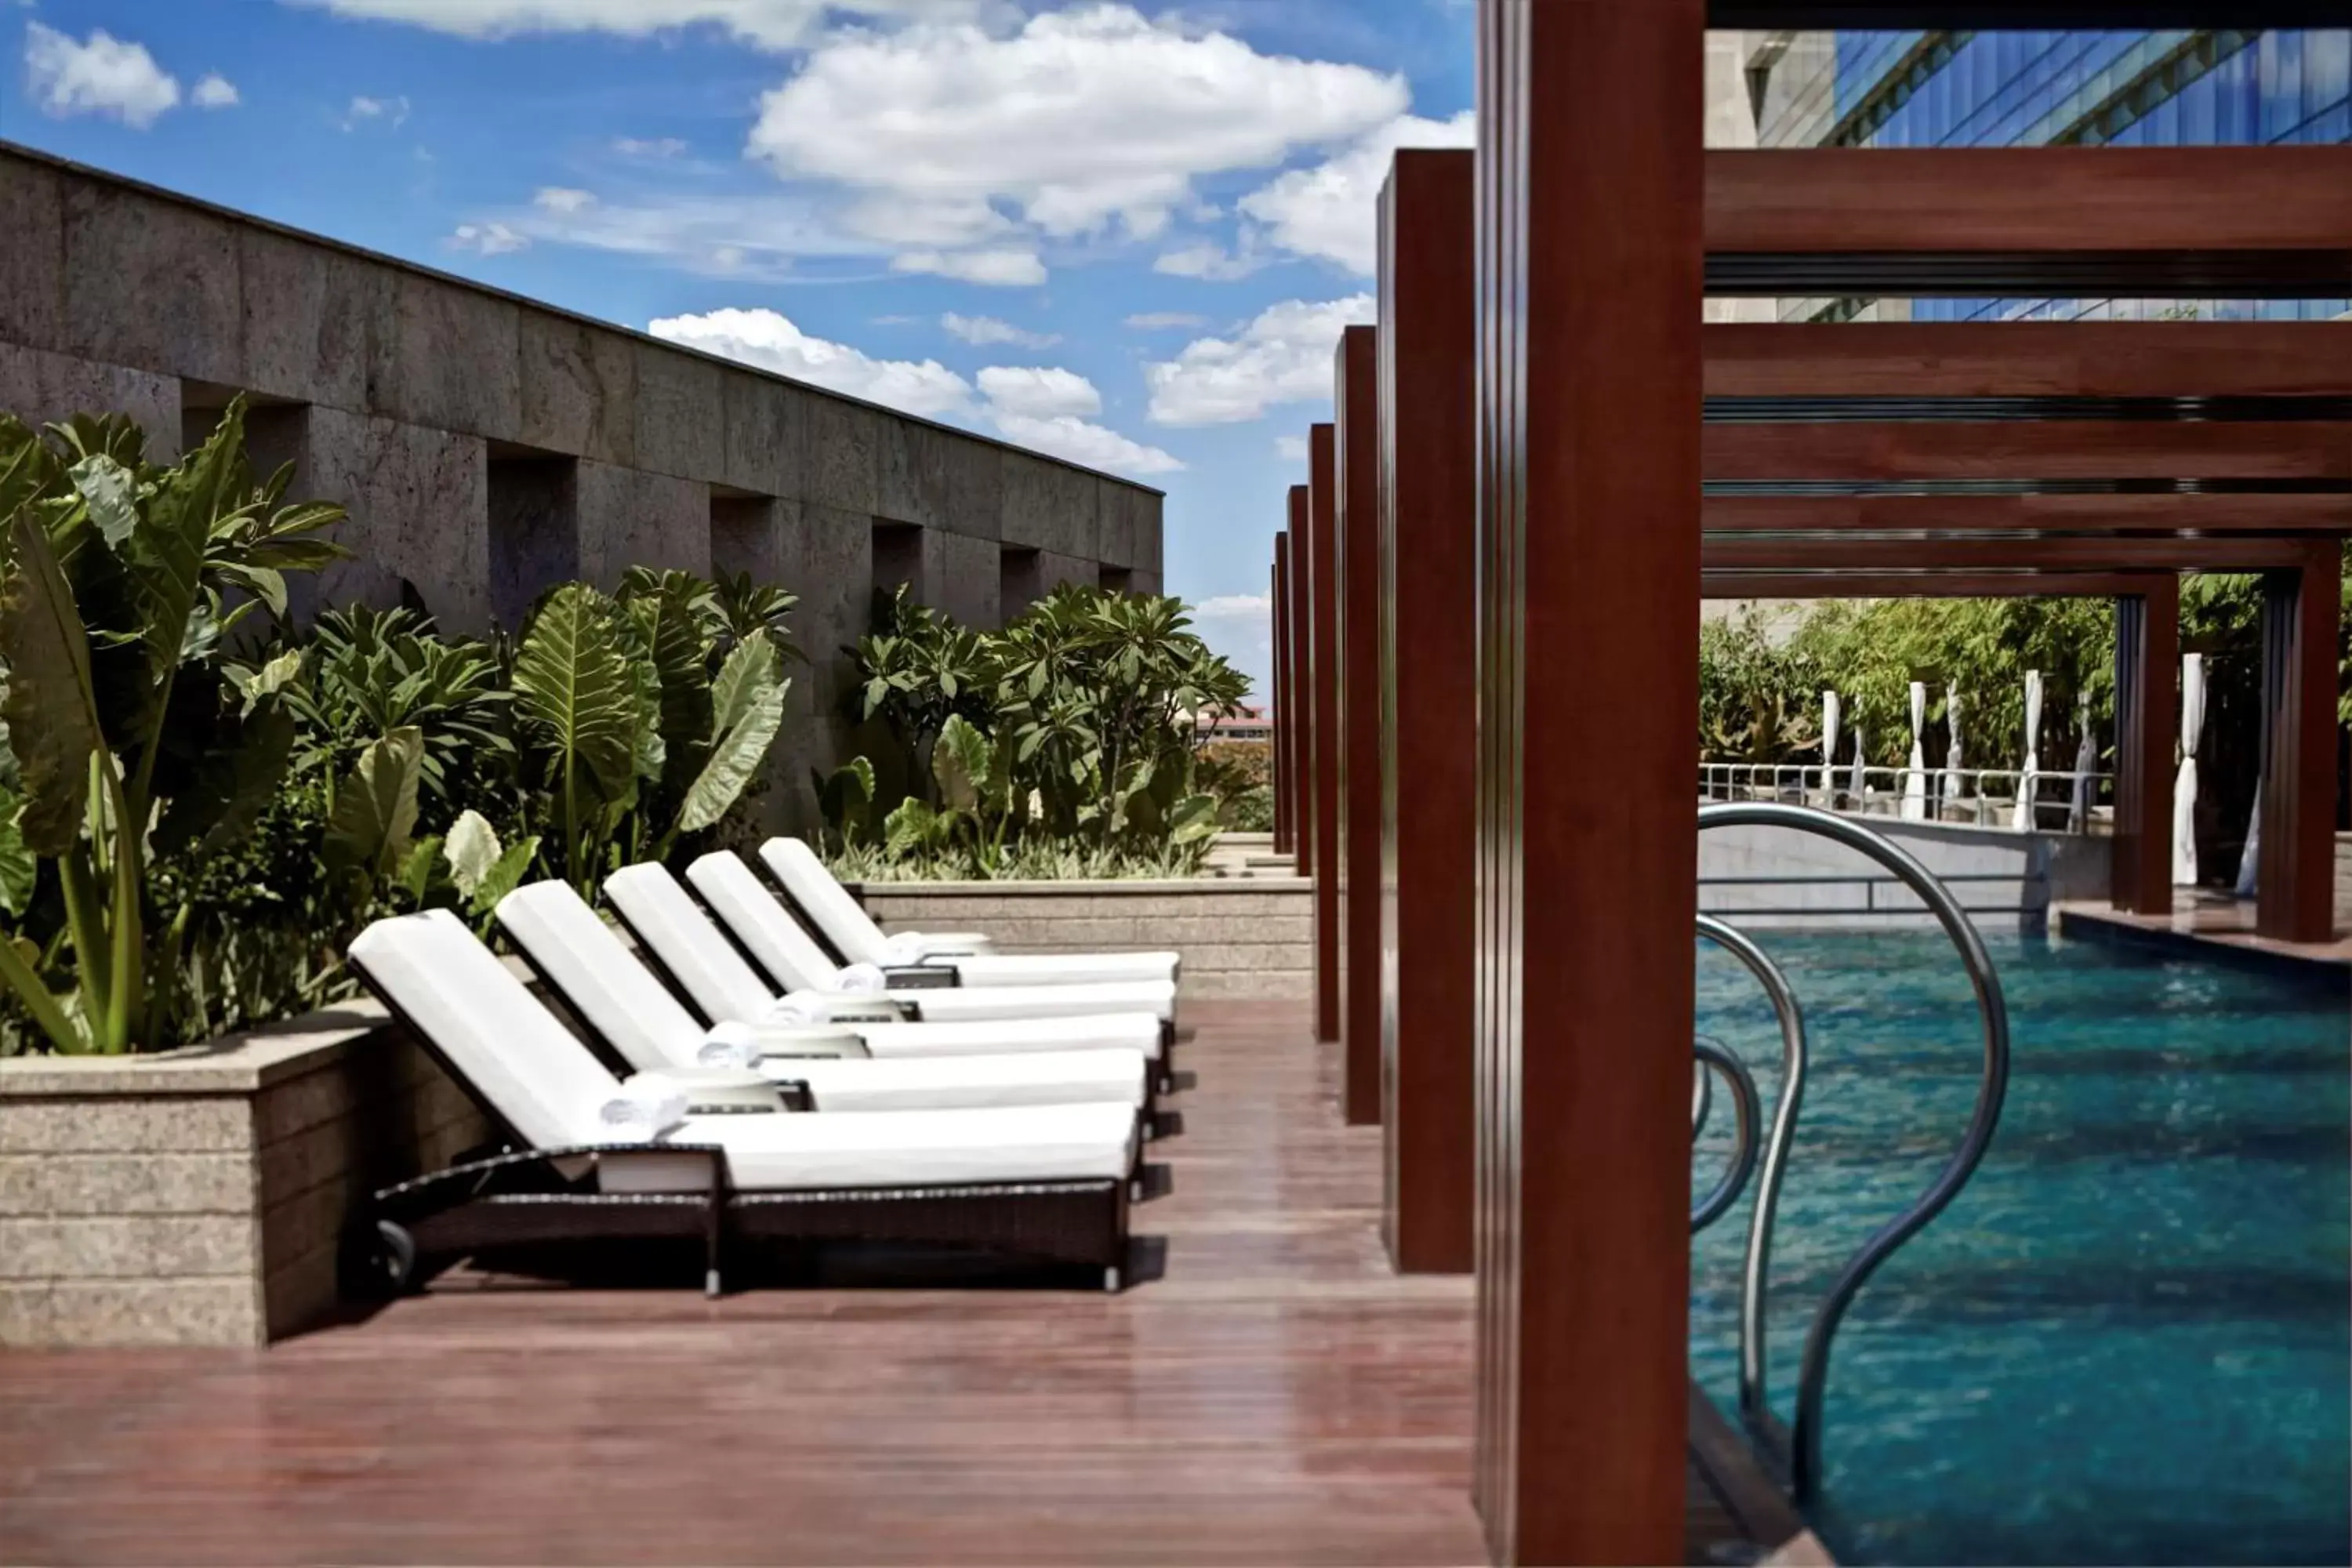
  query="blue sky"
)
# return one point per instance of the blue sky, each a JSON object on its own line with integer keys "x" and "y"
{"x": 1128, "y": 232}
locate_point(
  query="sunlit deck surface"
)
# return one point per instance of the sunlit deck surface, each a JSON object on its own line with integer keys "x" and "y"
{"x": 1277, "y": 1395}
{"x": 2209, "y": 924}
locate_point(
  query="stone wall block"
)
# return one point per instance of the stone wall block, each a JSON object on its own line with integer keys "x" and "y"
{"x": 842, "y": 467}
{"x": 308, "y": 316}
{"x": 152, "y": 285}
{"x": 681, "y": 413}
{"x": 40, "y": 388}
{"x": 33, "y": 261}
{"x": 628, "y": 517}
{"x": 450, "y": 358}
{"x": 766, "y": 435}
{"x": 578, "y": 386}
{"x": 974, "y": 496}
{"x": 912, "y": 474}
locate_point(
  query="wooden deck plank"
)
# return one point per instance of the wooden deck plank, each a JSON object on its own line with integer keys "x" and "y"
{"x": 1278, "y": 1395}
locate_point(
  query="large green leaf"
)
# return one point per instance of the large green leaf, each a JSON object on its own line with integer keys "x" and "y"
{"x": 748, "y": 701}
{"x": 223, "y": 792}
{"x": 670, "y": 620}
{"x": 165, "y": 553}
{"x": 1193, "y": 818}
{"x": 959, "y": 762}
{"x": 51, "y": 708}
{"x": 375, "y": 806}
{"x": 505, "y": 876}
{"x": 472, "y": 850}
{"x": 18, "y": 869}
{"x": 847, "y": 797}
{"x": 577, "y": 697}
{"x": 110, "y": 491}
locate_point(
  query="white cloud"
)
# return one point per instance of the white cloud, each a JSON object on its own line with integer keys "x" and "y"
{"x": 393, "y": 111}
{"x": 1290, "y": 449}
{"x": 563, "y": 199}
{"x": 773, "y": 24}
{"x": 102, "y": 75}
{"x": 1157, "y": 320}
{"x": 982, "y": 330}
{"x": 1080, "y": 121}
{"x": 1066, "y": 436}
{"x": 487, "y": 238}
{"x": 1039, "y": 392}
{"x": 1007, "y": 266}
{"x": 1284, "y": 356}
{"x": 1329, "y": 211}
{"x": 771, "y": 341}
{"x": 1207, "y": 259}
{"x": 1234, "y": 607}
{"x": 656, "y": 147}
{"x": 214, "y": 90}
{"x": 713, "y": 233}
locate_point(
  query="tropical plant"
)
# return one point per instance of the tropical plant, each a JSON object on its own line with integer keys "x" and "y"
{"x": 130, "y": 740}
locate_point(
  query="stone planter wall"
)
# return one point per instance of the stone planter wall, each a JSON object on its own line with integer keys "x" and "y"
{"x": 1240, "y": 937}
{"x": 197, "y": 1196}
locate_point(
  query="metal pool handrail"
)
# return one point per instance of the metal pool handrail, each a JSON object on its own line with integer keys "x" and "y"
{"x": 1812, "y": 1371}
{"x": 1746, "y": 1113}
{"x": 1756, "y": 1269}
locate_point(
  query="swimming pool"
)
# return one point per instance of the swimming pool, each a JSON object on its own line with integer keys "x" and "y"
{"x": 2127, "y": 1341}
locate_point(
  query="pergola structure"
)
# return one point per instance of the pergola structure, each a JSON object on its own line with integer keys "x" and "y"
{"x": 1568, "y": 460}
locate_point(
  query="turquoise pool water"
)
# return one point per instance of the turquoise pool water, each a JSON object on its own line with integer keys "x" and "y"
{"x": 2127, "y": 1341}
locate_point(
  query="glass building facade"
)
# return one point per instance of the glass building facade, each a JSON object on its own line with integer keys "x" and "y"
{"x": 2053, "y": 88}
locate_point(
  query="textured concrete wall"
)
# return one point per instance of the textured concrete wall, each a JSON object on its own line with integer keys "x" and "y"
{"x": 421, "y": 403}
{"x": 198, "y": 1197}
{"x": 2023, "y": 874}
{"x": 1249, "y": 937}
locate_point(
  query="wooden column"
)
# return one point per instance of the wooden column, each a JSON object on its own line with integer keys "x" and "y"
{"x": 1429, "y": 673}
{"x": 1356, "y": 522}
{"x": 1590, "y": 266}
{"x": 1323, "y": 702}
{"x": 1302, "y": 684}
{"x": 2148, "y": 730}
{"x": 1283, "y": 710}
{"x": 2295, "y": 872}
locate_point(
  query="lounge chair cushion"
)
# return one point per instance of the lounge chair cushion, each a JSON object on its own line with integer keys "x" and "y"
{"x": 910, "y": 1083}
{"x": 598, "y": 977}
{"x": 790, "y": 955}
{"x": 897, "y": 1149}
{"x": 705, "y": 964}
{"x": 1098, "y": 1031}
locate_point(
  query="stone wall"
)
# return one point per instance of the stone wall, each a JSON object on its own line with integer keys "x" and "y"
{"x": 1245, "y": 937}
{"x": 2004, "y": 877}
{"x": 197, "y": 1196}
{"x": 488, "y": 446}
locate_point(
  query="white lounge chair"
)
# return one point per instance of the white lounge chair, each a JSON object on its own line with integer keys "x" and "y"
{"x": 792, "y": 958}
{"x": 887, "y": 1066}
{"x": 853, "y": 932}
{"x": 1045, "y": 1182}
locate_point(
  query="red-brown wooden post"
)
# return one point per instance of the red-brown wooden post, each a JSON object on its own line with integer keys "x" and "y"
{"x": 1279, "y": 761}
{"x": 1428, "y": 674}
{"x": 2295, "y": 867}
{"x": 1302, "y": 682}
{"x": 1590, "y": 281}
{"x": 1323, "y": 699}
{"x": 2148, "y": 729}
{"x": 1356, "y": 523}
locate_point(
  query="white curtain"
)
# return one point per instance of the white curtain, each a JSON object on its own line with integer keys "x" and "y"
{"x": 1857, "y": 783}
{"x": 2250, "y": 858}
{"x": 1952, "y": 763}
{"x": 1915, "y": 778}
{"x": 2022, "y": 818}
{"x": 2086, "y": 763}
{"x": 1829, "y": 748}
{"x": 2184, "y": 784}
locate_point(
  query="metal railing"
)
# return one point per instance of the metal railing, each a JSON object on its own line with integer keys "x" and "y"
{"x": 1797, "y": 1447}
{"x": 1983, "y": 797}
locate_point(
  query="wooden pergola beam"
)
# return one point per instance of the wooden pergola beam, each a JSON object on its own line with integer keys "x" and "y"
{"x": 1818, "y": 15}
{"x": 2150, "y": 222}
{"x": 2029, "y": 449}
{"x": 2148, "y": 728}
{"x": 2039, "y": 552}
{"x": 1301, "y": 629}
{"x": 1284, "y": 709}
{"x": 1829, "y": 585}
{"x": 1357, "y": 866}
{"x": 2204, "y": 511}
{"x": 2028, "y": 359}
{"x": 1323, "y": 775}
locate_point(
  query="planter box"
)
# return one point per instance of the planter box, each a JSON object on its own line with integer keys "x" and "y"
{"x": 1240, "y": 937}
{"x": 197, "y": 1196}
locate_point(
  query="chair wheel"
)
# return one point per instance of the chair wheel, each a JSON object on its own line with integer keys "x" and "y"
{"x": 379, "y": 1260}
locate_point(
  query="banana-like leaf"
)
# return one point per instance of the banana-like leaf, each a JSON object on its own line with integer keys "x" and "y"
{"x": 577, "y": 697}
{"x": 472, "y": 850}
{"x": 272, "y": 678}
{"x": 375, "y": 806}
{"x": 416, "y": 870}
{"x": 51, "y": 707}
{"x": 911, "y": 825}
{"x": 669, "y": 623}
{"x": 18, "y": 867}
{"x": 847, "y": 797}
{"x": 959, "y": 762}
{"x": 165, "y": 554}
{"x": 748, "y": 699}
{"x": 1193, "y": 818}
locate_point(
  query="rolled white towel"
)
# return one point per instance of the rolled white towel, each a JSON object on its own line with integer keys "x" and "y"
{"x": 799, "y": 1011}
{"x": 904, "y": 947}
{"x": 644, "y": 1110}
{"x": 730, "y": 1044}
{"x": 862, "y": 978}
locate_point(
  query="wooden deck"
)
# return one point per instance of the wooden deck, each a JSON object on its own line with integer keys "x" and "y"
{"x": 2212, "y": 925}
{"x": 1277, "y": 1396}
